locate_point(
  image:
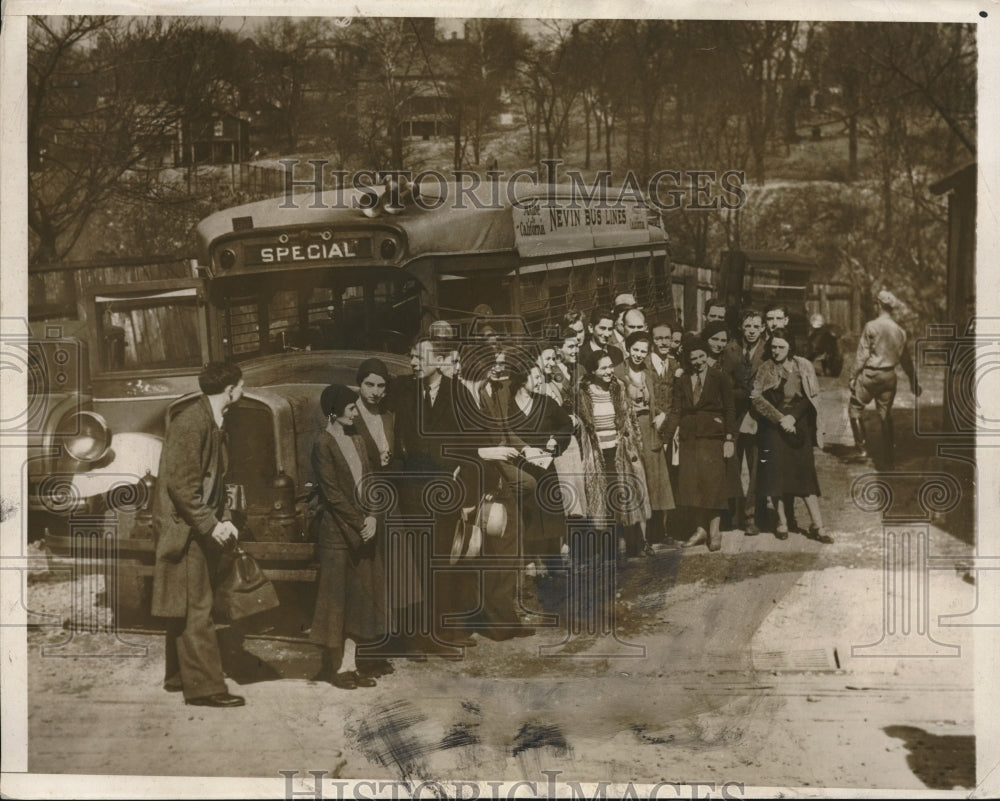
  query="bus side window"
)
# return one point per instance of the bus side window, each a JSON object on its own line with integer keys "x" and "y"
{"x": 604, "y": 278}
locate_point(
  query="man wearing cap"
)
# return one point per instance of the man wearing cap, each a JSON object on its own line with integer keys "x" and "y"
{"x": 882, "y": 346}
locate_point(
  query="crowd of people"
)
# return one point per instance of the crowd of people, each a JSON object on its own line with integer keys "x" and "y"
{"x": 618, "y": 422}
{"x": 503, "y": 445}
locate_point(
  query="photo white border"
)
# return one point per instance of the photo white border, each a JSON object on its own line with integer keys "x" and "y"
{"x": 14, "y": 782}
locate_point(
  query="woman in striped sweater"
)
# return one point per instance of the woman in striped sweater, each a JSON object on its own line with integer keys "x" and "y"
{"x": 611, "y": 442}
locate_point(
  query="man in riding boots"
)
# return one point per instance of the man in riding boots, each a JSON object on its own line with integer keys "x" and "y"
{"x": 882, "y": 346}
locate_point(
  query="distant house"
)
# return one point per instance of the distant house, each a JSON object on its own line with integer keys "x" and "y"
{"x": 84, "y": 111}
{"x": 224, "y": 138}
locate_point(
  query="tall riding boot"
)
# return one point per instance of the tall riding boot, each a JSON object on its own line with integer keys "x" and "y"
{"x": 889, "y": 443}
{"x": 860, "y": 440}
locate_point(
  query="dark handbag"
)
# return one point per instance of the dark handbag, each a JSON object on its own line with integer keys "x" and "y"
{"x": 244, "y": 590}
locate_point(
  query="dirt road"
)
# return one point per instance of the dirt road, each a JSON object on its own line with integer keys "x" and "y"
{"x": 739, "y": 666}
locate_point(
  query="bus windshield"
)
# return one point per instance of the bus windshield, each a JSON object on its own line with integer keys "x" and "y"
{"x": 148, "y": 331}
{"x": 318, "y": 310}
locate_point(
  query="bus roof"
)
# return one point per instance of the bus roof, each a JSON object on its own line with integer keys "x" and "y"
{"x": 470, "y": 221}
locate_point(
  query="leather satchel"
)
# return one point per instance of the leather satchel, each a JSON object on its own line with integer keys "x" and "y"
{"x": 244, "y": 589}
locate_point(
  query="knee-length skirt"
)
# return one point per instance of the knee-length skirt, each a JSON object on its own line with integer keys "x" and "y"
{"x": 706, "y": 479}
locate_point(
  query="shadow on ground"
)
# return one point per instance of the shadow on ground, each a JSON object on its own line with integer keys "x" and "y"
{"x": 919, "y": 453}
{"x": 942, "y": 762}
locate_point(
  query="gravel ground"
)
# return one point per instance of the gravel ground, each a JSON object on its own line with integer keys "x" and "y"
{"x": 738, "y": 666}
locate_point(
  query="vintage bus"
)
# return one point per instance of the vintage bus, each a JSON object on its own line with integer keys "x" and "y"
{"x": 337, "y": 278}
{"x": 298, "y": 297}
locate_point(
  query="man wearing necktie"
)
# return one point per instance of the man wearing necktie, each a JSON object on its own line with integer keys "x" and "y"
{"x": 426, "y": 426}
{"x": 741, "y": 360}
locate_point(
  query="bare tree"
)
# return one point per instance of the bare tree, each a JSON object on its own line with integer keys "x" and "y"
{"x": 293, "y": 56}
{"x": 552, "y": 75}
{"x": 391, "y": 77}
{"x": 605, "y": 73}
{"x": 109, "y": 99}
{"x": 765, "y": 54}
{"x": 480, "y": 68}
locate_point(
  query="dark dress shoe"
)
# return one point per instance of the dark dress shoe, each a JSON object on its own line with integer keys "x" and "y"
{"x": 816, "y": 533}
{"x": 361, "y": 680}
{"x": 345, "y": 681}
{"x": 781, "y": 532}
{"x": 751, "y": 530}
{"x": 172, "y": 686}
{"x": 375, "y": 668}
{"x": 699, "y": 537}
{"x": 648, "y": 550}
{"x": 217, "y": 700}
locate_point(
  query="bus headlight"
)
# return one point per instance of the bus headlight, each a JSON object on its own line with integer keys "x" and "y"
{"x": 227, "y": 259}
{"x": 87, "y": 436}
{"x": 388, "y": 249}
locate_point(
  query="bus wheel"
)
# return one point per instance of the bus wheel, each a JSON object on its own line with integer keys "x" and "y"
{"x": 134, "y": 592}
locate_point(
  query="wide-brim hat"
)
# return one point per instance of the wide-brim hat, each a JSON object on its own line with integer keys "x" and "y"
{"x": 467, "y": 542}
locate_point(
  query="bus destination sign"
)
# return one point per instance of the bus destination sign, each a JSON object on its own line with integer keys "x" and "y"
{"x": 289, "y": 253}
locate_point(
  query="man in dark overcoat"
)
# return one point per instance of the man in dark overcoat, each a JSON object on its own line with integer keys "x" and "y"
{"x": 190, "y": 525}
{"x": 426, "y": 425}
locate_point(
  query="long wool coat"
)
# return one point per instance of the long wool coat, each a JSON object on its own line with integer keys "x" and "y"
{"x": 706, "y": 479}
{"x": 404, "y": 565}
{"x": 351, "y": 591}
{"x": 189, "y": 500}
{"x": 628, "y": 465}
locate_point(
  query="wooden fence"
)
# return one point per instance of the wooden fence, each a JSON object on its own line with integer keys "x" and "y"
{"x": 840, "y": 305}
{"x": 254, "y": 180}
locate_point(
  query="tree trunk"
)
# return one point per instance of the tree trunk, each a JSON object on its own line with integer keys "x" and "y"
{"x": 852, "y": 148}
{"x": 537, "y": 157}
{"x": 607, "y": 144}
{"x": 396, "y": 141}
{"x": 457, "y": 141}
{"x": 851, "y": 102}
{"x": 477, "y": 139}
